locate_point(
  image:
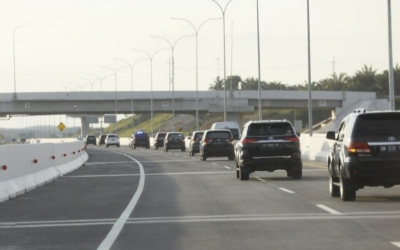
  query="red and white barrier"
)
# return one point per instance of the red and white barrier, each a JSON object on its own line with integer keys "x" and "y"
{"x": 24, "y": 167}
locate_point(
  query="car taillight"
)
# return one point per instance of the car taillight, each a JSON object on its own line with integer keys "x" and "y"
{"x": 229, "y": 140}
{"x": 248, "y": 140}
{"x": 358, "y": 147}
{"x": 292, "y": 139}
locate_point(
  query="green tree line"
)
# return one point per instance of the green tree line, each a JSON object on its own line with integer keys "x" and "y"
{"x": 365, "y": 79}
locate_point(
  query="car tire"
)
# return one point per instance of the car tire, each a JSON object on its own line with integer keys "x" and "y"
{"x": 243, "y": 176}
{"x": 166, "y": 149}
{"x": 203, "y": 157}
{"x": 346, "y": 194}
{"x": 183, "y": 149}
{"x": 297, "y": 174}
{"x": 117, "y": 145}
{"x": 334, "y": 190}
{"x": 147, "y": 147}
{"x": 289, "y": 173}
{"x": 134, "y": 147}
{"x": 237, "y": 171}
{"x": 231, "y": 157}
{"x": 155, "y": 148}
{"x": 106, "y": 145}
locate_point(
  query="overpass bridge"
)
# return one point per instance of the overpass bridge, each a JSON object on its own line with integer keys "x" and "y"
{"x": 241, "y": 103}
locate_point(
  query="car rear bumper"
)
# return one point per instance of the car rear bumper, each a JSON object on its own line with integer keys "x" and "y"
{"x": 372, "y": 176}
{"x": 270, "y": 164}
{"x": 216, "y": 152}
{"x": 175, "y": 146}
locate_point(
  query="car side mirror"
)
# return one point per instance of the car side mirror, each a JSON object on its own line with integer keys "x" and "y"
{"x": 330, "y": 135}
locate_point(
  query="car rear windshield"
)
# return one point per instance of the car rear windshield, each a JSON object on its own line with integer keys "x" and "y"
{"x": 161, "y": 136}
{"x": 377, "y": 124}
{"x": 141, "y": 135}
{"x": 112, "y": 136}
{"x": 175, "y": 136}
{"x": 91, "y": 137}
{"x": 218, "y": 135}
{"x": 198, "y": 136}
{"x": 265, "y": 129}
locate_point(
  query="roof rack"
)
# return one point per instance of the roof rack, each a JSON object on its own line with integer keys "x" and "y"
{"x": 360, "y": 111}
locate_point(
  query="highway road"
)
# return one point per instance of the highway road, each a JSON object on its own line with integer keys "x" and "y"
{"x": 147, "y": 199}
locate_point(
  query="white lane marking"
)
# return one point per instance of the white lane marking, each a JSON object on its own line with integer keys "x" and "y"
{"x": 287, "y": 190}
{"x": 328, "y": 209}
{"x": 397, "y": 244}
{"x": 154, "y": 174}
{"x": 130, "y": 162}
{"x": 215, "y": 218}
{"x": 258, "y": 178}
{"x": 227, "y": 167}
{"x": 119, "y": 224}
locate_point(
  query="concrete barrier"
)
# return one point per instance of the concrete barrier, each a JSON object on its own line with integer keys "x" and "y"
{"x": 315, "y": 148}
{"x": 25, "y": 167}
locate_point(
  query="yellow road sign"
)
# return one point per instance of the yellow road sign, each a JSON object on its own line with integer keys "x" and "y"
{"x": 61, "y": 126}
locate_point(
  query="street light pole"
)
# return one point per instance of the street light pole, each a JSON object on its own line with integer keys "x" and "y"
{"x": 259, "y": 67}
{"x": 150, "y": 57}
{"x": 173, "y": 69}
{"x": 392, "y": 105}
{"x": 115, "y": 81}
{"x": 196, "y": 31}
{"x": 100, "y": 80}
{"x": 310, "y": 124}
{"x": 90, "y": 82}
{"x": 79, "y": 86}
{"x": 15, "y": 81}
{"x": 131, "y": 66}
{"x": 223, "y": 17}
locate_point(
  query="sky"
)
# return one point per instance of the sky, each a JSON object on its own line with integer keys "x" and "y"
{"x": 59, "y": 42}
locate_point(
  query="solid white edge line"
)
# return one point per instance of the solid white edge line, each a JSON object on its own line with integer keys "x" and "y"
{"x": 287, "y": 190}
{"x": 119, "y": 224}
{"x": 397, "y": 244}
{"x": 328, "y": 209}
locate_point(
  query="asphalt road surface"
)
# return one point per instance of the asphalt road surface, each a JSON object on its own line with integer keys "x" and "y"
{"x": 147, "y": 199}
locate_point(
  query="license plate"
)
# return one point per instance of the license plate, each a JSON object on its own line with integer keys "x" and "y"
{"x": 270, "y": 145}
{"x": 388, "y": 149}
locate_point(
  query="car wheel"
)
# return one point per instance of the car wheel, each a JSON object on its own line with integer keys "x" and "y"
{"x": 117, "y": 145}
{"x": 203, "y": 157}
{"x": 289, "y": 173}
{"x": 334, "y": 190}
{"x": 297, "y": 174}
{"x": 166, "y": 149}
{"x": 106, "y": 145}
{"x": 155, "y": 148}
{"x": 237, "y": 171}
{"x": 346, "y": 194}
{"x": 147, "y": 147}
{"x": 134, "y": 147}
{"x": 231, "y": 157}
{"x": 243, "y": 176}
{"x": 183, "y": 149}
{"x": 190, "y": 154}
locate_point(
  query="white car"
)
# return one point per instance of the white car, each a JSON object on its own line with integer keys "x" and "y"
{"x": 112, "y": 140}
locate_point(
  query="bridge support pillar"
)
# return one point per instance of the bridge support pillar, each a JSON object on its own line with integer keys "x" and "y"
{"x": 235, "y": 117}
{"x": 85, "y": 127}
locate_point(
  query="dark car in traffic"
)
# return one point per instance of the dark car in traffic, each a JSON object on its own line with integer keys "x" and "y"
{"x": 102, "y": 139}
{"x": 90, "y": 139}
{"x": 216, "y": 143}
{"x": 194, "y": 143}
{"x": 365, "y": 152}
{"x": 139, "y": 139}
{"x": 158, "y": 141}
{"x": 268, "y": 145}
{"x": 174, "y": 140}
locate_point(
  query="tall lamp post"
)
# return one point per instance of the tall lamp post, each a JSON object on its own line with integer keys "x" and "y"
{"x": 173, "y": 68}
{"x": 391, "y": 73}
{"x": 223, "y": 10}
{"x": 15, "y": 81}
{"x": 100, "y": 80}
{"x": 115, "y": 81}
{"x": 131, "y": 65}
{"x": 196, "y": 31}
{"x": 259, "y": 67}
{"x": 79, "y": 85}
{"x": 310, "y": 124}
{"x": 150, "y": 57}
{"x": 90, "y": 82}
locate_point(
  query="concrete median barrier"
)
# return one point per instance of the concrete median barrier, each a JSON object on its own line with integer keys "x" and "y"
{"x": 25, "y": 167}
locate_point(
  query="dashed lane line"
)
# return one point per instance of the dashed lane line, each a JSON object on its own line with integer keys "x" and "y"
{"x": 227, "y": 167}
{"x": 397, "y": 244}
{"x": 258, "y": 178}
{"x": 328, "y": 209}
{"x": 153, "y": 174}
{"x": 287, "y": 190}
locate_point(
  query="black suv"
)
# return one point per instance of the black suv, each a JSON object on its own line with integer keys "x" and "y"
{"x": 268, "y": 145}
{"x": 159, "y": 140}
{"x": 216, "y": 143}
{"x": 139, "y": 139}
{"x": 90, "y": 139}
{"x": 102, "y": 139}
{"x": 366, "y": 152}
{"x": 174, "y": 140}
